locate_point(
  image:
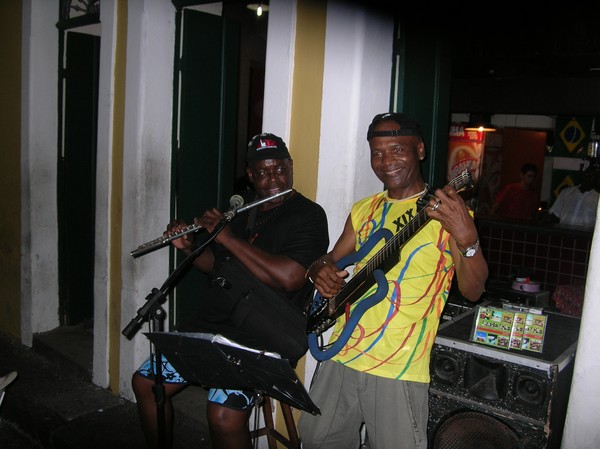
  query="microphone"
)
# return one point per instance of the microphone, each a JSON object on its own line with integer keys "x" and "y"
{"x": 235, "y": 202}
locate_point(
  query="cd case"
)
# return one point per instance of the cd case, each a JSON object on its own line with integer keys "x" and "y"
{"x": 510, "y": 327}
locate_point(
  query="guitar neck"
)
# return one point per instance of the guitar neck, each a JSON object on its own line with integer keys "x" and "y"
{"x": 358, "y": 284}
{"x": 394, "y": 244}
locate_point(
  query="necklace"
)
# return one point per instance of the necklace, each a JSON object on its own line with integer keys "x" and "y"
{"x": 253, "y": 226}
{"x": 412, "y": 196}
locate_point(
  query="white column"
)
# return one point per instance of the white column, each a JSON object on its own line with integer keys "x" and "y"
{"x": 356, "y": 86}
{"x": 146, "y": 165}
{"x": 39, "y": 225}
{"x": 581, "y": 427}
{"x": 279, "y": 67}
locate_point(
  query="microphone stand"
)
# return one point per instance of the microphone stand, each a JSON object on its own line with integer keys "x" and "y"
{"x": 152, "y": 309}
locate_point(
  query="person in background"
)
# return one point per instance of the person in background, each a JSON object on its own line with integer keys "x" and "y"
{"x": 265, "y": 250}
{"x": 520, "y": 199}
{"x": 381, "y": 375}
{"x": 577, "y": 205}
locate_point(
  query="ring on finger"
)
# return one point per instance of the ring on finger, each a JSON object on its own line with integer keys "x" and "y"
{"x": 435, "y": 206}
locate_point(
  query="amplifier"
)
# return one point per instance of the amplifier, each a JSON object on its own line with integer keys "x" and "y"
{"x": 485, "y": 397}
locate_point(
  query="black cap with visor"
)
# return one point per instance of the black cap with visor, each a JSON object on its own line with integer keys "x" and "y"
{"x": 408, "y": 126}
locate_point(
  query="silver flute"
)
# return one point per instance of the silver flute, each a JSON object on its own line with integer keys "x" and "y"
{"x": 164, "y": 240}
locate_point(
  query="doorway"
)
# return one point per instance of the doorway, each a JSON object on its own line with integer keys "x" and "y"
{"x": 219, "y": 73}
{"x": 506, "y": 151}
{"x": 77, "y": 178}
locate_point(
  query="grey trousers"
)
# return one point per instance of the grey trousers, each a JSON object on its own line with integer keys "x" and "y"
{"x": 394, "y": 412}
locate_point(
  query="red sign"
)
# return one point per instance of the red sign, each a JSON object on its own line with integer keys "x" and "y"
{"x": 465, "y": 151}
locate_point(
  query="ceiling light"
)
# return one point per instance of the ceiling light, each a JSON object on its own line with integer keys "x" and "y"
{"x": 480, "y": 122}
{"x": 258, "y": 7}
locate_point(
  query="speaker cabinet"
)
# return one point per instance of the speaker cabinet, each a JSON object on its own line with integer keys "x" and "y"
{"x": 482, "y": 397}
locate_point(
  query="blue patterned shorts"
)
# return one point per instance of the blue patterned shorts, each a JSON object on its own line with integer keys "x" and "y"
{"x": 235, "y": 399}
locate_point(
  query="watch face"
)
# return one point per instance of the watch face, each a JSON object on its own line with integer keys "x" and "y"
{"x": 470, "y": 252}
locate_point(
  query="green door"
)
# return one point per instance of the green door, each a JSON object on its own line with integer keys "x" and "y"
{"x": 421, "y": 88}
{"x": 204, "y": 130}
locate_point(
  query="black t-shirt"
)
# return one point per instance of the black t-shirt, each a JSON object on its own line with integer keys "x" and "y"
{"x": 296, "y": 229}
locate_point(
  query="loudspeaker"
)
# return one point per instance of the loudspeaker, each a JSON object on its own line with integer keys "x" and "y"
{"x": 483, "y": 397}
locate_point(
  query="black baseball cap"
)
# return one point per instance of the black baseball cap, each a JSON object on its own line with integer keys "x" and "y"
{"x": 408, "y": 126}
{"x": 266, "y": 146}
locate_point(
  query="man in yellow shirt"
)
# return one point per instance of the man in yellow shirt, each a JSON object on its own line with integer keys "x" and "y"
{"x": 380, "y": 376}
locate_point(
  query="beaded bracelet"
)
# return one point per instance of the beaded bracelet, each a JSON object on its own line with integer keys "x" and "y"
{"x": 306, "y": 275}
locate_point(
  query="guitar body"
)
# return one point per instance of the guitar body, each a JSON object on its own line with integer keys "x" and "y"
{"x": 323, "y": 312}
{"x": 357, "y": 313}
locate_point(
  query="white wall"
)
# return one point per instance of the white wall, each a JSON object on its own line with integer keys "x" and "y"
{"x": 356, "y": 82}
{"x": 357, "y": 72}
{"x": 147, "y": 165}
{"x": 147, "y": 151}
{"x": 281, "y": 34}
{"x": 39, "y": 226}
{"x": 581, "y": 427}
{"x": 357, "y": 78}
{"x": 106, "y": 93}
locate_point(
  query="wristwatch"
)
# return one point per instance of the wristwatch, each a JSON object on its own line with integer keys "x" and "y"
{"x": 469, "y": 251}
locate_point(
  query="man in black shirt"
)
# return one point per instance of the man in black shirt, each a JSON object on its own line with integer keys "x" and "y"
{"x": 270, "y": 247}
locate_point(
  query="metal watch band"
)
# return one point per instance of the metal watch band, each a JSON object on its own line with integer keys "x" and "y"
{"x": 469, "y": 251}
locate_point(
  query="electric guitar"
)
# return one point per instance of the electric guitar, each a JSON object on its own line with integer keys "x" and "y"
{"x": 323, "y": 313}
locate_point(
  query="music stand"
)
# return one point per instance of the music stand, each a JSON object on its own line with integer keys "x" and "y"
{"x": 217, "y": 362}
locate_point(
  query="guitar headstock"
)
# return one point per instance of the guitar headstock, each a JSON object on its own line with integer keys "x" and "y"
{"x": 464, "y": 181}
